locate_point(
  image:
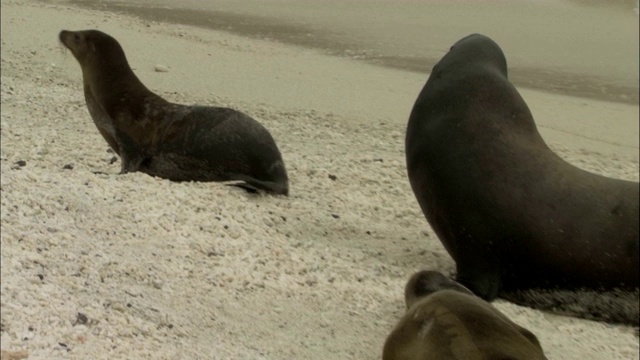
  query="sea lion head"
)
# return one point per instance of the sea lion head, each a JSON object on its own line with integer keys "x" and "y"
{"x": 92, "y": 48}
{"x": 476, "y": 49}
{"x": 424, "y": 283}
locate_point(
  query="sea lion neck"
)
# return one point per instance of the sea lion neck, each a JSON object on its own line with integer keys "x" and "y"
{"x": 118, "y": 88}
{"x": 107, "y": 76}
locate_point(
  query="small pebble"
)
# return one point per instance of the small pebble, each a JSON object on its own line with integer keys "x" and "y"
{"x": 160, "y": 68}
{"x": 81, "y": 319}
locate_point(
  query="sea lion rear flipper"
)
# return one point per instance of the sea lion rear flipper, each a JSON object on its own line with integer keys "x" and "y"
{"x": 270, "y": 186}
{"x": 253, "y": 185}
{"x": 248, "y": 188}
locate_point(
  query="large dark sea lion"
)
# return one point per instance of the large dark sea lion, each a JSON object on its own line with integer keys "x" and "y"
{"x": 445, "y": 321}
{"x": 511, "y": 213}
{"x": 171, "y": 141}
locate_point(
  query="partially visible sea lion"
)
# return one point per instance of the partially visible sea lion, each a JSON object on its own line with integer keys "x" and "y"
{"x": 510, "y": 212}
{"x": 171, "y": 141}
{"x": 445, "y": 321}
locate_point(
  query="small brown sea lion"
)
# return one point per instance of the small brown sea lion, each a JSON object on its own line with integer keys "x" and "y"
{"x": 445, "y": 321}
{"x": 171, "y": 141}
{"x": 510, "y": 212}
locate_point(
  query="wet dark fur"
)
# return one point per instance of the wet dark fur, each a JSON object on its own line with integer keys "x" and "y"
{"x": 511, "y": 213}
{"x": 171, "y": 141}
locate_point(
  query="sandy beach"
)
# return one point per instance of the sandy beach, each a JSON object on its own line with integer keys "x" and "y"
{"x": 107, "y": 266}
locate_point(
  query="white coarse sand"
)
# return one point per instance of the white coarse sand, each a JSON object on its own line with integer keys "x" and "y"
{"x": 107, "y": 266}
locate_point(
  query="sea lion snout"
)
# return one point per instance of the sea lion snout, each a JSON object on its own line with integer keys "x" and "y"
{"x": 424, "y": 283}
{"x": 62, "y": 35}
{"x": 65, "y": 37}
{"x": 82, "y": 43}
{"x": 70, "y": 39}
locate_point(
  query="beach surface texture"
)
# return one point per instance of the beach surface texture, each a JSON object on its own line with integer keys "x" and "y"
{"x": 96, "y": 265}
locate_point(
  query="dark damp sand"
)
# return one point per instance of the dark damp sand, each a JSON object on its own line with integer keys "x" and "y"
{"x": 586, "y": 48}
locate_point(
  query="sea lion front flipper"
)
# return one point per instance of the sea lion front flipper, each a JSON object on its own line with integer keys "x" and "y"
{"x": 132, "y": 158}
{"x": 132, "y": 165}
